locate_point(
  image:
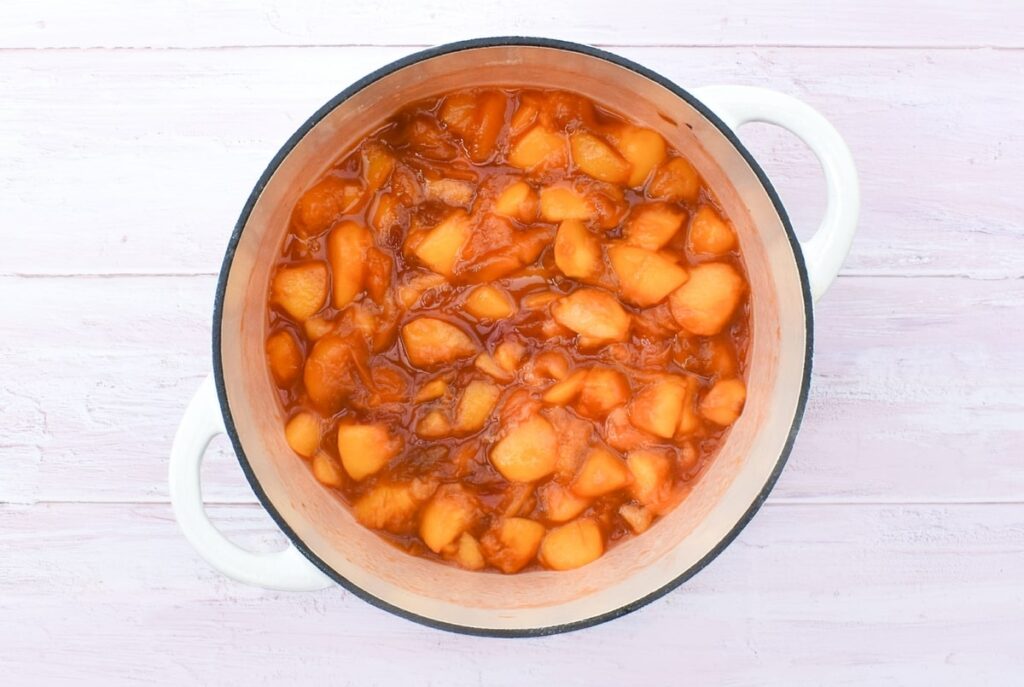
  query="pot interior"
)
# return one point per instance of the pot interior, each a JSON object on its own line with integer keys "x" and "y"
{"x": 630, "y": 571}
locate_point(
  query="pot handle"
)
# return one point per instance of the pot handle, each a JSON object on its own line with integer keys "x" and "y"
{"x": 824, "y": 252}
{"x": 286, "y": 570}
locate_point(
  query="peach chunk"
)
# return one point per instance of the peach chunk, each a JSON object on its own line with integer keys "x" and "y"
{"x": 593, "y": 156}
{"x": 659, "y": 405}
{"x": 602, "y": 472}
{"x": 559, "y": 504}
{"x": 347, "y": 245}
{"x": 435, "y": 388}
{"x": 688, "y": 420}
{"x": 577, "y": 252}
{"x": 592, "y": 313}
{"x": 706, "y": 302}
{"x": 644, "y": 149}
{"x": 469, "y": 554}
{"x": 563, "y": 392}
{"x": 300, "y": 289}
{"x": 429, "y": 341}
{"x": 675, "y": 180}
{"x": 319, "y": 207}
{"x": 538, "y": 148}
{"x": 329, "y": 375}
{"x": 622, "y": 435}
{"x": 572, "y": 545}
{"x": 508, "y": 355}
{"x": 653, "y": 225}
{"x": 645, "y": 277}
{"x": 511, "y": 544}
{"x": 447, "y": 515}
{"x": 365, "y": 449}
{"x": 440, "y": 248}
{"x": 724, "y": 402}
{"x": 388, "y": 507}
{"x": 486, "y": 363}
{"x": 476, "y": 405}
{"x": 378, "y": 163}
{"x": 477, "y": 119}
{"x": 488, "y": 302}
{"x": 527, "y": 452}
{"x": 285, "y": 357}
{"x": 558, "y": 203}
{"x": 637, "y": 517}
{"x": 433, "y": 425}
{"x": 603, "y": 389}
{"x": 709, "y": 233}
{"x": 651, "y": 476}
{"x": 453, "y": 192}
{"x": 327, "y": 471}
{"x": 303, "y": 434}
{"x": 518, "y": 201}
{"x": 551, "y": 365}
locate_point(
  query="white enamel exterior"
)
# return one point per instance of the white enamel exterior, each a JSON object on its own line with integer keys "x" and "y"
{"x": 685, "y": 538}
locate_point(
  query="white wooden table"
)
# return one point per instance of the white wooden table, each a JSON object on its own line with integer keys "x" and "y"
{"x": 892, "y": 549}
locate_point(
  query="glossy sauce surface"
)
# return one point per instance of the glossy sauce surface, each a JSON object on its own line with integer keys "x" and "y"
{"x": 509, "y": 328}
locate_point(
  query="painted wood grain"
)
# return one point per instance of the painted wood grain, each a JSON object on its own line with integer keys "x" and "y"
{"x": 185, "y": 23}
{"x": 902, "y": 595}
{"x": 103, "y": 151}
{"x": 918, "y": 390}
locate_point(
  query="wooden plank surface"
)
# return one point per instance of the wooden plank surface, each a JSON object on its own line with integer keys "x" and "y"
{"x": 892, "y": 549}
{"x": 902, "y": 595}
{"x": 939, "y": 174}
{"x": 187, "y": 23}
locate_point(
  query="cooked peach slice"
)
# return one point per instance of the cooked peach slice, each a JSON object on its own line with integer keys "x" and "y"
{"x": 709, "y": 233}
{"x": 430, "y": 341}
{"x": 488, "y": 302}
{"x": 675, "y": 180}
{"x": 653, "y": 225}
{"x": 651, "y": 476}
{"x": 377, "y": 274}
{"x": 592, "y": 313}
{"x": 643, "y": 149}
{"x": 558, "y": 203}
{"x": 724, "y": 402}
{"x": 300, "y": 289}
{"x": 378, "y": 163}
{"x": 458, "y": 112}
{"x": 539, "y": 147}
{"x": 388, "y": 507}
{"x": 538, "y": 300}
{"x": 563, "y": 392}
{"x": 318, "y": 326}
{"x": 603, "y": 389}
{"x": 707, "y": 301}
{"x": 577, "y": 252}
{"x": 527, "y": 452}
{"x": 572, "y": 545}
{"x": 476, "y": 405}
{"x": 637, "y": 517}
{"x": 509, "y": 354}
{"x": 440, "y": 248}
{"x": 433, "y": 425}
{"x": 593, "y": 156}
{"x": 486, "y": 363}
{"x": 409, "y": 293}
{"x": 453, "y": 192}
{"x": 285, "y": 357}
{"x": 447, "y": 515}
{"x": 435, "y": 388}
{"x": 477, "y": 119}
{"x": 365, "y": 449}
{"x": 602, "y": 472}
{"x": 347, "y": 245}
{"x": 387, "y": 213}
{"x": 511, "y": 544}
{"x": 319, "y": 207}
{"x": 329, "y": 376}
{"x": 469, "y": 554}
{"x": 303, "y": 434}
{"x": 551, "y": 365}
{"x": 559, "y": 504}
{"x": 645, "y": 277}
{"x": 517, "y": 201}
{"x": 327, "y": 471}
{"x": 688, "y": 420}
{"x": 659, "y": 405}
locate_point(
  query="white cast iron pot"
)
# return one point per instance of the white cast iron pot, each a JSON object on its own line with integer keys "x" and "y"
{"x": 328, "y": 546}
